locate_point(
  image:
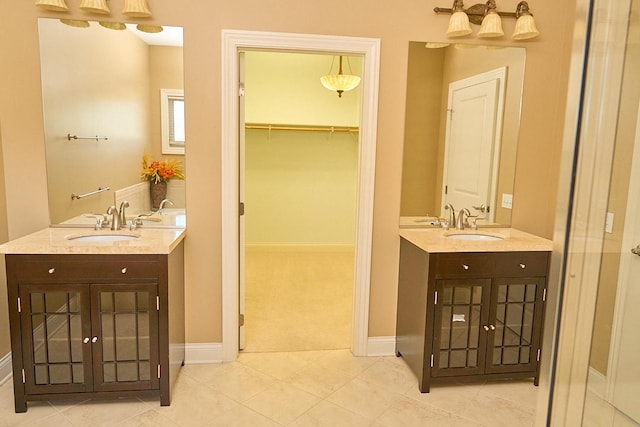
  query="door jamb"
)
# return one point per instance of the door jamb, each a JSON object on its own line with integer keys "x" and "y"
{"x": 369, "y": 48}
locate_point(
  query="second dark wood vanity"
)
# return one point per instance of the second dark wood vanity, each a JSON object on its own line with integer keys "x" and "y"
{"x": 470, "y": 316}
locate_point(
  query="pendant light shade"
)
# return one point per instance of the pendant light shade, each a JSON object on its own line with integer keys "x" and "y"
{"x": 56, "y": 5}
{"x": 136, "y": 8}
{"x": 491, "y": 25}
{"x": 113, "y": 25}
{"x": 525, "y": 28}
{"x": 340, "y": 82}
{"x": 149, "y": 28}
{"x": 459, "y": 23}
{"x": 75, "y": 23}
{"x": 95, "y": 6}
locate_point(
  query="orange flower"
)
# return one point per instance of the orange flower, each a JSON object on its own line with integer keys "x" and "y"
{"x": 157, "y": 171}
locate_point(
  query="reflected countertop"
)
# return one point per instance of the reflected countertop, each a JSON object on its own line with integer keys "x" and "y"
{"x": 56, "y": 241}
{"x": 168, "y": 218}
{"x": 435, "y": 240}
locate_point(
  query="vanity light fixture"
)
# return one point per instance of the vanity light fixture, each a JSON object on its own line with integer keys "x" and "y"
{"x": 136, "y": 8}
{"x": 489, "y": 18}
{"x": 340, "y": 82}
{"x": 149, "y": 28}
{"x": 95, "y": 6}
{"x": 55, "y": 5}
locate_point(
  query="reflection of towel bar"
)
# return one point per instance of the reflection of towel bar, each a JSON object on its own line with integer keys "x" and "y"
{"x": 80, "y": 196}
{"x": 97, "y": 138}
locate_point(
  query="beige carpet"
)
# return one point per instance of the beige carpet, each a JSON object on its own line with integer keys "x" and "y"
{"x": 298, "y": 300}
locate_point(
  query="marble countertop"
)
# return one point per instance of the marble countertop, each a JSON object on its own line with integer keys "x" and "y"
{"x": 57, "y": 241}
{"x": 435, "y": 240}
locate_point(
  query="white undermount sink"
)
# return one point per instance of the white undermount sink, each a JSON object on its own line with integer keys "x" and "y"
{"x": 474, "y": 237}
{"x": 107, "y": 237}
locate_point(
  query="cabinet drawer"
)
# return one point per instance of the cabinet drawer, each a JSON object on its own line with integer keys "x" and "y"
{"x": 521, "y": 264}
{"x": 464, "y": 264}
{"x": 56, "y": 270}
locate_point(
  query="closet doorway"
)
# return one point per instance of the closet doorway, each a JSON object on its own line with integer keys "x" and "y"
{"x": 233, "y": 42}
{"x": 298, "y": 180}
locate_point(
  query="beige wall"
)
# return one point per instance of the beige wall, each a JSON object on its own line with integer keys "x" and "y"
{"x": 538, "y": 152}
{"x": 617, "y": 204}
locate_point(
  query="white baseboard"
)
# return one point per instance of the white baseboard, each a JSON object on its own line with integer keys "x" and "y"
{"x": 203, "y": 353}
{"x": 597, "y": 382}
{"x": 381, "y": 346}
{"x": 5, "y": 368}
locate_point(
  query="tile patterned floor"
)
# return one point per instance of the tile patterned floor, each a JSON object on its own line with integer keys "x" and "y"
{"x": 310, "y": 388}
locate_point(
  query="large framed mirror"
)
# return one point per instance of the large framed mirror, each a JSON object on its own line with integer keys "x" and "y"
{"x": 443, "y": 155}
{"x": 102, "y": 102}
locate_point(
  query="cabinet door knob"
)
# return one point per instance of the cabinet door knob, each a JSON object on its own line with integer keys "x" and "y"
{"x": 52, "y": 270}
{"x": 94, "y": 339}
{"x": 523, "y": 266}
{"x": 86, "y": 340}
{"x": 465, "y": 266}
{"x": 492, "y": 327}
{"x": 124, "y": 270}
{"x": 486, "y": 328}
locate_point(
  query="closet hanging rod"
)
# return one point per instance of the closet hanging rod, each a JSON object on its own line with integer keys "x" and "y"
{"x": 97, "y": 138}
{"x": 351, "y": 129}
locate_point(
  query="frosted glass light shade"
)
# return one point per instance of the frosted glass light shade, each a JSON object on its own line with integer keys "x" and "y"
{"x": 75, "y": 23}
{"x": 136, "y": 8}
{"x": 491, "y": 26}
{"x": 56, "y": 5}
{"x": 113, "y": 25}
{"x": 340, "y": 82}
{"x": 149, "y": 28}
{"x": 459, "y": 25}
{"x": 525, "y": 28}
{"x": 95, "y": 6}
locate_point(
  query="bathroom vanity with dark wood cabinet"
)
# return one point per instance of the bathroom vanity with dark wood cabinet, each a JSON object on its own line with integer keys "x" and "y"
{"x": 469, "y": 316}
{"x": 95, "y": 325}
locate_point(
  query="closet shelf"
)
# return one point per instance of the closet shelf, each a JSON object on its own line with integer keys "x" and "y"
{"x": 299, "y": 128}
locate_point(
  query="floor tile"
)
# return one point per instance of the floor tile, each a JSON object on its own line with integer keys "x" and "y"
{"x": 282, "y": 402}
{"x": 327, "y": 414}
{"x": 357, "y": 396}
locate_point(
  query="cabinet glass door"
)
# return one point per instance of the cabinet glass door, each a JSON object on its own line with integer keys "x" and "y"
{"x": 57, "y": 349}
{"x": 459, "y": 335}
{"x": 515, "y": 319}
{"x": 126, "y": 341}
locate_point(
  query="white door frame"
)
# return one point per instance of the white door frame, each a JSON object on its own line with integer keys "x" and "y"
{"x": 232, "y": 42}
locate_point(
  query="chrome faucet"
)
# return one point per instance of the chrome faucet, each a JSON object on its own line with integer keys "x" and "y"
{"x": 123, "y": 217}
{"x": 163, "y": 203}
{"x": 452, "y": 214}
{"x": 463, "y": 217}
{"x": 115, "y": 217}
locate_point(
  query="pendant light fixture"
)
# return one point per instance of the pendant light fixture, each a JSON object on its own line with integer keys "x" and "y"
{"x": 340, "y": 82}
{"x": 113, "y": 25}
{"x": 78, "y": 23}
{"x": 149, "y": 28}
{"x": 55, "y": 5}
{"x": 136, "y": 8}
{"x": 95, "y": 6}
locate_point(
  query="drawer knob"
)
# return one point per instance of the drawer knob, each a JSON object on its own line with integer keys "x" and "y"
{"x": 523, "y": 266}
{"x": 465, "y": 266}
{"x": 124, "y": 270}
{"x": 52, "y": 270}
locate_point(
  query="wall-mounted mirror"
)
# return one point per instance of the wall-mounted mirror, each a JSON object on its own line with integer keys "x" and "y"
{"x": 101, "y": 92}
{"x": 459, "y": 96}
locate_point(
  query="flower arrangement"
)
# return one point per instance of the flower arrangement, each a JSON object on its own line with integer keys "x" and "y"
{"x": 161, "y": 171}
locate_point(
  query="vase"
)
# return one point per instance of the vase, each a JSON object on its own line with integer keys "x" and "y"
{"x": 158, "y": 193}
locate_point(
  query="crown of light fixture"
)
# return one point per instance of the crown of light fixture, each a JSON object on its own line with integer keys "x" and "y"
{"x": 489, "y": 18}
{"x": 340, "y": 82}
